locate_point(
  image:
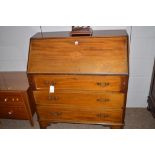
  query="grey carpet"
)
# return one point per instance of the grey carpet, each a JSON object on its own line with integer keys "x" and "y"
{"x": 136, "y": 118}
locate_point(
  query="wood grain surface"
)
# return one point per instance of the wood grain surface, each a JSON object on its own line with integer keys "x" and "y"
{"x": 77, "y": 82}
{"x": 91, "y": 55}
{"x": 64, "y": 114}
{"x": 85, "y": 100}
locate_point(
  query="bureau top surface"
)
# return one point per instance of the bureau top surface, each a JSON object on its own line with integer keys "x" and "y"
{"x": 105, "y": 52}
{"x": 66, "y": 34}
{"x": 13, "y": 81}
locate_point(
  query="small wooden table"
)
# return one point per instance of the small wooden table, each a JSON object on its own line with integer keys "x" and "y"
{"x": 15, "y": 103}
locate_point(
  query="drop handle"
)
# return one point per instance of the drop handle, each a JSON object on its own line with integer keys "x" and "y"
{"x": 10, "y": 112}
{"x": 103, "y": 84}
{"x": 46, "y": 82}
{"x": 103, "y": 100}
{"x": 53, "y": 98}
{"x": 56, "y": 114}
{"x": 101, "y": 115}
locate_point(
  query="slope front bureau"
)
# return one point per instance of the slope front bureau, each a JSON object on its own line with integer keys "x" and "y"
{"x": 80, "y": 79}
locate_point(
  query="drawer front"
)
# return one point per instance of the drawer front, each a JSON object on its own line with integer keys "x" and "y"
{"x": 13, "y": 112}
{"x": 11, "y": 98}
{"x": 89, "y": 100}
{"x": 77, "y": 82}
{"x": 78, "y": 55}
{"x": 79, "y": 116}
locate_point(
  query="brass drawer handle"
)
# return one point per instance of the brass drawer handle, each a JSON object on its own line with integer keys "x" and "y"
{"x": 46, "y": 82}
{"x": 103, "y": 100}
{"x": 53, "y": 98}
{"x": 103, "y": 84}
{"x": 56, "y": 113}
{"x": 101, "y": 115}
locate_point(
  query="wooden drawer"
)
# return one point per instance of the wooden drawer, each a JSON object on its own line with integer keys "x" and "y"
{"x": 79, "y": 115}
{"x": 89, "y": 100}
{"x": 80, "y": 82}
{"x": 11, "y": 98}
{"x": 13, "y": 112}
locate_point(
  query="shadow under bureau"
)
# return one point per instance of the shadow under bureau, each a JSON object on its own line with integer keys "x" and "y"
{"x": 80, "y": 79}
{"x": 15, "y": 101}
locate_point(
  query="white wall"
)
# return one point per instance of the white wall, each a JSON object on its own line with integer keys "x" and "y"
{"x": 141, "y": 64}
{"x": 14, "y": 43}
{"x": 68, "y": 28}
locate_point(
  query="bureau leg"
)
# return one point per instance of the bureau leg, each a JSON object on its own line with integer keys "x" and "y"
{"x": 116, "y": 126}
{"x": 43, "y": 125}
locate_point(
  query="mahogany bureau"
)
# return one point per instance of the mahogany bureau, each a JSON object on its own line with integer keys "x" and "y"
{"x": 14, "y": 100}
{"x": 80, "y": 79}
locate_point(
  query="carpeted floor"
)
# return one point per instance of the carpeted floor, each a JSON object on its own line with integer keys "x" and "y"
{"x": 136, "y": 118}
